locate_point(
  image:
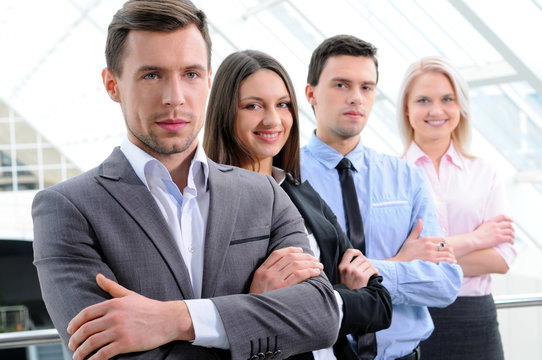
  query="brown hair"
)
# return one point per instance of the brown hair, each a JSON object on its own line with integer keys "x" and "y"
{"x": 461, "y": 134}
{"x": 338, "y": 45}
{"x": 220, "y": 140}
{"x": 151, "y": 15}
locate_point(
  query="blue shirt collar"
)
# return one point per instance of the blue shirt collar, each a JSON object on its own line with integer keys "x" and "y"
{"x": 144, "y": 165}
{"x": 330, "y": 157}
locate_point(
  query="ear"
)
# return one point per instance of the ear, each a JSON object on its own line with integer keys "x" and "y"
{"x": 309, "y": 94}
{"x": 209, "y": 76}
{"x": 110, "y": 82}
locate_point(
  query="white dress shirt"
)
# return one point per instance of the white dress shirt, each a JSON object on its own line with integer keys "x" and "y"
{"x": 186, "y": 214}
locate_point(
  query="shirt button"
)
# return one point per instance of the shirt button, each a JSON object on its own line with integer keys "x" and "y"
{"x": 191, "y": 249}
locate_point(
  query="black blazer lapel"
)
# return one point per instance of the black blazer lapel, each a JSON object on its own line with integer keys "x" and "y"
{"x": 309, "y": 204}
{"x": 117, "y": 176}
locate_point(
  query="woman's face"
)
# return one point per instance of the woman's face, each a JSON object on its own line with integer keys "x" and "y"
{"x": 263, "y": 119}
{"x": 432, "y": 108}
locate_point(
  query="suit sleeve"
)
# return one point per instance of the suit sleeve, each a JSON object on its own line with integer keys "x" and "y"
{"x": 66, "y": 257}
{"x": 368, "y": 309}
{"x": 296, "y": 319}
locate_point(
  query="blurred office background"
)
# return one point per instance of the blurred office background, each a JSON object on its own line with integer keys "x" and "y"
{"x": 57, "y": 121}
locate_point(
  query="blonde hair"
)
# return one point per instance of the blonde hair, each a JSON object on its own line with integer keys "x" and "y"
{"x": 462, "y": 133}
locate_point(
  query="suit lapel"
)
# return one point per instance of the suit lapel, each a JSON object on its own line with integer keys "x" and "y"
{"x": 118, "y": 177}
{"x": 223, "y": 207}
{"x": 308, "y": 204}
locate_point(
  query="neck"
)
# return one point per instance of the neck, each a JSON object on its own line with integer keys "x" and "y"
{"x": 343, "y": 145}
{"x": 178, "y": 165}
{"x": 262, "y": 166}
{"x": 435, "y": 149}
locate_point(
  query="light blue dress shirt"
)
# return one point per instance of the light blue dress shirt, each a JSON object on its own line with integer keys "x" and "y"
{"x": 392, "y": 195}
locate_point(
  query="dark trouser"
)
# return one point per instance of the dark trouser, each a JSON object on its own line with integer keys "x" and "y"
{"x": 467, "y": 329}
{"x": 414, "y": 355}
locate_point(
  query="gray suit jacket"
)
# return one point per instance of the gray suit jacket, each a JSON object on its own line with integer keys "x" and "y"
{"x": 106, "y": 221}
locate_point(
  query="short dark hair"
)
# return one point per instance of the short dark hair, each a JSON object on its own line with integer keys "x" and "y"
{"x": 220, "y": 140}
{"x": 151, "y": 15}
{"x": 338, "y": 45}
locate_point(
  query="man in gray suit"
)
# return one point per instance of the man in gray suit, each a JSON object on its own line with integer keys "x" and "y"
{"x": 177, "y": 236}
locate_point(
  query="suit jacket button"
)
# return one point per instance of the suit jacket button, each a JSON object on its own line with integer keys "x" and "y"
{"x": 253, "y": 357}
{"x": 261, "y": 356}
{"x": 269, "y": 355}
{"x": 277, "y": 353}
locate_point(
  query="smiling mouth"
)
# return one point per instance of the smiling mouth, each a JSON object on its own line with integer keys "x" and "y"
{"x": 267, "y": 135}
{"x": 436, "y": 122}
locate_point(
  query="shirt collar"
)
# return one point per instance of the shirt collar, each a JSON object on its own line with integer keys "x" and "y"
{"x": 146, "y": 166}
{"x": 454, "y": 157}
{"x": 416, "y": 155}
{"x": 330, "y": 157}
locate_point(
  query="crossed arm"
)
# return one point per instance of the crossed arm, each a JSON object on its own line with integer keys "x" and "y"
{"x": 472, "y": 251}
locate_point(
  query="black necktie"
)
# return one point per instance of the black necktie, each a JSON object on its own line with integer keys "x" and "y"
{"x": 366, "y": 343}
{"x": 354, "y": 224}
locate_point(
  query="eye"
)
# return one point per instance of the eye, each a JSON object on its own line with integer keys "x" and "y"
{"x": 448, "y": 99}
{"x": 192, "y": 75}
{"x": 422, "y": 101}
{"x": 367, "y": 88}
{"x": 151, "y": 76}
{"x": 341, "y": 85}
{"x": 284, "y": 105}
{"x": 252, "y": 107}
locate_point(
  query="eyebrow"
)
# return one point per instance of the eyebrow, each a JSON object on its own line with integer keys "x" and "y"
{"x": 422, "y": 96}
{"x": 145, "y": 68}
{"x": 340, "y": 79}
{"x": 261, "y": 99}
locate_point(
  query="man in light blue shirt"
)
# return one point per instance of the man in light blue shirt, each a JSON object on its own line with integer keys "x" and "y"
{"x": 402, "y": 236}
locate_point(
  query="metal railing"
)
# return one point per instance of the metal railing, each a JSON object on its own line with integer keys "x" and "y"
{"x": 50, "y": 336}
{"x": 516, "y": 301}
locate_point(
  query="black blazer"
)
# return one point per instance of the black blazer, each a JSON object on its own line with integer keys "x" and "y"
{"x": 365, "y": 310}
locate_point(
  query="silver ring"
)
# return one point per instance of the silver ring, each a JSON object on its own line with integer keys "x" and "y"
{"x": 440, "y": 246}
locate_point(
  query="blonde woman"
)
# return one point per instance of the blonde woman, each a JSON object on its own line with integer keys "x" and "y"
{"x": 434, "y": 122}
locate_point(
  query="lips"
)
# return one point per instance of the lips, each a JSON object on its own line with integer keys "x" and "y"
{"x": 354, "y": 114}
{"x": 268, "y": 136}
{"x": 172, "y": 125}
{"x": 436, "y": 122}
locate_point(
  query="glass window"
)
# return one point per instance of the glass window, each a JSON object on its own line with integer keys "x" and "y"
{"x": 24, "y": 134}
{"x": 27, "y": 156}
{"x": 4, "y": 133}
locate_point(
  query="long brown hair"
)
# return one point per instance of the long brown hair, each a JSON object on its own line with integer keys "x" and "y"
{"x": 220, "y": 140}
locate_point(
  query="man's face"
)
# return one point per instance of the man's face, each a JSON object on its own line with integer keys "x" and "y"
{"x": 162, "y": 89}
{"x": 344, "y": 97}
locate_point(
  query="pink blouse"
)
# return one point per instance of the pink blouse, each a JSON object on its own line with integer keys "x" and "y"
{"x": 468, "y": 193}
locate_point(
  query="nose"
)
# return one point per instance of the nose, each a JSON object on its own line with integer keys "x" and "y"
{"x": 271, "y": 117}
{"x": 354, "y": 97}
{"x": 435, "y": 109}
{"x": 173, "y": 93}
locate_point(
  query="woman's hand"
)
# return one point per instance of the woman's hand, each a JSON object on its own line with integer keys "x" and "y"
{"x": 493, "y": 232}
{"x": 355, "y": 270}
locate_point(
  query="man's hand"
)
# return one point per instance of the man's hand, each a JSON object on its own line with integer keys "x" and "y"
{"x": 127, "y": 323}
{"x": 284, "y": 267}
{"x": 355, "y": 270}
{"x": 425, "y": 249}
{"x": 495, "y": 231}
